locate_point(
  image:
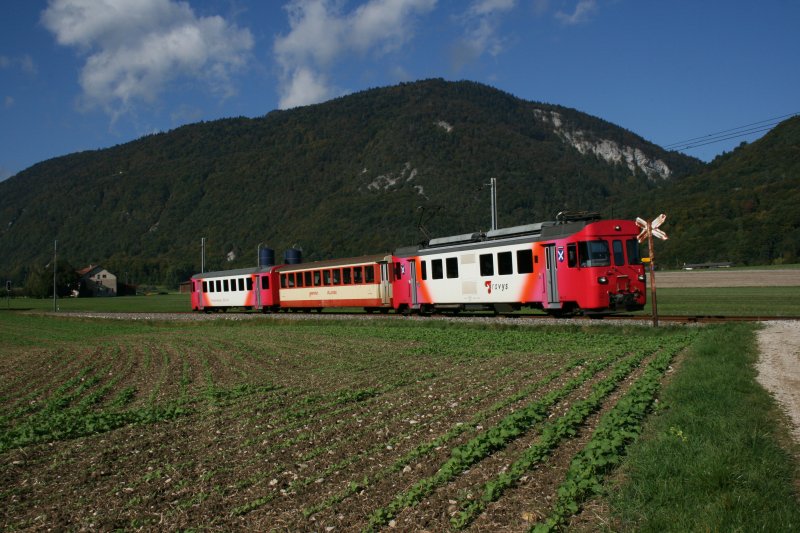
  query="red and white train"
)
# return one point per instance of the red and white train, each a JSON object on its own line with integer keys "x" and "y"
{"x": 569, "y": 266}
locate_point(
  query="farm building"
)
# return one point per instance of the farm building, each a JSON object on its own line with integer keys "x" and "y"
{"x": 97, "y": 281}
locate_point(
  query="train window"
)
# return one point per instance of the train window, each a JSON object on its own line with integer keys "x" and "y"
{"x": 398, "y": 271}
{"x": 307, "y": 276}
{"x": 337, "y": 277}
{"x": 436, "y": 267}
{"x": 265, "y": 282}
{"x": 487, "y": 264}
{"x": 241, "y": 284}
{"x": 249, "y": 283}
{"x": 504, "y": 264}
{"x": 347, "y": 276}
{"x": 219, "y": 285}
{"x": 524, "y": 261}
{"x": 619, "y": 253}
{"x": 357, "y": 277}
{"x": 451, "y": 263}
{"x": 572, "y": 255}
{"x": 633, "y": 252}
{"x": 317, "y": 278}
{"x": 205, "y": 286}
{"x": 290, "y": 279}
{"x": 326, "y": 277}
{"x": 283, "y": 281}
{"x": 225, "y": 287}
{"x": 424, "y": 268}
{"x": 594, "y": 254}
{"x": 369, "y": 274}
{"x": 299, "y": 279}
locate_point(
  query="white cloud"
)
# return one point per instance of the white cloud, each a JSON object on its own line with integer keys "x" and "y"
{"x": 583, "y": 10}
{"x": 305, "y": 87}
{"x": 481, "y": 21}
{"x": 24, "y": 62}
{"x": 136, "y": 48}
{"x": 321, "y": 34}
{"x": 540, "y": 7}
{"x": 489, "y": 7}
{"x": 8, "y": 102}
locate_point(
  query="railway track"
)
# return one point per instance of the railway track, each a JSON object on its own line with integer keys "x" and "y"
{"x": 487, "y": 317}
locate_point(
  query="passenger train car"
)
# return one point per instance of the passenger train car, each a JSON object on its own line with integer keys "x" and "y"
{"x": 248, "y": 288}
{"x": 568, "y": 266}
{"x": 358, "y": 282}
{"x": 562, "y": 267}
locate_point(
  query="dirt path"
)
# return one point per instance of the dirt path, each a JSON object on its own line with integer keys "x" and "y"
{"x": 779, "y": 367}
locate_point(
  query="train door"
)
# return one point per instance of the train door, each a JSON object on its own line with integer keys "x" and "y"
{"x": 198, "y": 294}
{"x": 257, "y": 290}
{"x": 551, "y": 276}
{"x": 413, "y": 282}
{"x": 385, "y": 286}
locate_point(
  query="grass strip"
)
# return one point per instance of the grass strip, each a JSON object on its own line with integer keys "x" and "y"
{"x": 711, "y": 460}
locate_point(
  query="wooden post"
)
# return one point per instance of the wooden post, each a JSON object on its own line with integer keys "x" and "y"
{"x": 648, "y": 230}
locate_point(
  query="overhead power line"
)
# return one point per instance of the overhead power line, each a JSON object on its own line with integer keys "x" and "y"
{"x": 732, "y": 133}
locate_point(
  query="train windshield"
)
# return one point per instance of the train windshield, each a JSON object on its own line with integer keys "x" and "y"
{"x": 594, "y": 254}
{"x": 633, "y": 252}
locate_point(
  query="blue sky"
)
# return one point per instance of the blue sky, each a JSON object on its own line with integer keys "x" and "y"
{"x": 86, "y": 74}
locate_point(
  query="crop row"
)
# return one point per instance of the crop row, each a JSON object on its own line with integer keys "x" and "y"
{"x": 497, "y": 437}
{"x": 616, "y": 430}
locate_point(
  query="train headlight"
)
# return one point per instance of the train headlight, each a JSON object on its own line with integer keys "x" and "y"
{"x": 641, "y": 278}
{"x": 602, "y": 280}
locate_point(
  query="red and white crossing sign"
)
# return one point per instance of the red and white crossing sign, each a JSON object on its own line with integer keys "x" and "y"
{"x": 651, "y": 228}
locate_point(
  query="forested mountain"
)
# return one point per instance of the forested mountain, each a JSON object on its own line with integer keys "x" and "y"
{"x": 744, "y": 207}
{"x": 353, "y": 176}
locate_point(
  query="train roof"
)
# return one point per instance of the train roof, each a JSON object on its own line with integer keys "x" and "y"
{"x": 566, "y": 224}
{"x": 374, "y": 258}
{"x": 231, "y": 273}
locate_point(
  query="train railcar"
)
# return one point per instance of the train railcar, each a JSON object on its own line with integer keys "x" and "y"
{"x": 573, "y": 265}
{"x": 355, "y": 282}
{"x": 247, "y": 288}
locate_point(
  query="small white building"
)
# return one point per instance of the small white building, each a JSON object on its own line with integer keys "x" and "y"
{"x": 97, "y": 281}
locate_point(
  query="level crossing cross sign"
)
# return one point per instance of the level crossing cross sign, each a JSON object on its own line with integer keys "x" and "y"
{"x": 650, "y": 230}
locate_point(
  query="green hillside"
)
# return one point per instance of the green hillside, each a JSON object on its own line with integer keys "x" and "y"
{"x": 349, "y": 176}
{"x": 743, "y": 208}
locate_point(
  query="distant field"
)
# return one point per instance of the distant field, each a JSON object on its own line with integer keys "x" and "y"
{"x": 726, "y": 277}
{"x": 157, "y": 303}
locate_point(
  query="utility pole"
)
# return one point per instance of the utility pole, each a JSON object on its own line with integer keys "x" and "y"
{"x": 493, "y": 188}
{"x": 202, "y": 255}
{"x": 55, "y": 268}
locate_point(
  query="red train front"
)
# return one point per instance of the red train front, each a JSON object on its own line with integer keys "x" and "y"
{"x": 577, "y": 264}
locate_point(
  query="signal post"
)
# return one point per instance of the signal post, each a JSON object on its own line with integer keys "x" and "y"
{"x": 650, "y": 230}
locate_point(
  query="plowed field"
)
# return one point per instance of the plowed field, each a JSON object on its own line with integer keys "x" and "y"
{"x": 323, "y": 426}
